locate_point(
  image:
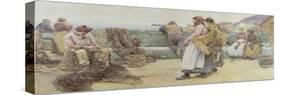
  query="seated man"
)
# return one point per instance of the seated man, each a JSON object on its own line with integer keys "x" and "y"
{"x": 80, "y": 48}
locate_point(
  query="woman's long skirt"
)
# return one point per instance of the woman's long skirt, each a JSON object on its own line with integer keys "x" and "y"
{"x": 193, "y": 58}
{"x": 195, "y": 61}
{"x": 59, "y": 40}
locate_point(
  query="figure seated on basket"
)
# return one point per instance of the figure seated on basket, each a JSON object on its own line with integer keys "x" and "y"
{"x": 252, "y": 47}
{"x": 82, "y": 49}
{"x": 127, "y": 48}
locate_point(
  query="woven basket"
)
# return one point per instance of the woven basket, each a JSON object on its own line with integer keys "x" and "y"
{"x": 135, "y": 61}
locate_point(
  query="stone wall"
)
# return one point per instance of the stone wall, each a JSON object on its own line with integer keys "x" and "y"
{"x": 154, "y": 42}
{"x": 151, "y": 38}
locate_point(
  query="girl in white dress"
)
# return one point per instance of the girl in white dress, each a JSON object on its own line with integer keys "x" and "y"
{"x": 237, "y": 48}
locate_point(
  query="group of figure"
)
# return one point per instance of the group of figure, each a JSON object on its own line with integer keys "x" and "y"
{"x": 72, "y": 44}
{"x": 82, "y": 56}
{"x": 247, "y": 45}
{"x": 201, "y": 52}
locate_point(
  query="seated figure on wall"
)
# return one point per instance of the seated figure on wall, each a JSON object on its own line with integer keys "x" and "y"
{"x": 42, "y": 30}
{"x": 82, "y": 49}
{"x": 174, "y": 36}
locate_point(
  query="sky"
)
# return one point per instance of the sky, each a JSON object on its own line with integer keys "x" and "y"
{"x": 102, "y": 16}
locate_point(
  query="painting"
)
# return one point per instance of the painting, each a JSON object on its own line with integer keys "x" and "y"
{"x": 74, "y": 47}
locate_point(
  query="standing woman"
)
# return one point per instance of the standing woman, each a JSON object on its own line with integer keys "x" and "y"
{"x": 61, "y": 28}
{"x": 193, "y": 59}
{"x": 217, "y": 39}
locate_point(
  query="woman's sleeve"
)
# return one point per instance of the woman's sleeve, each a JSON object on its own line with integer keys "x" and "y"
{"x": 198, "y": 31}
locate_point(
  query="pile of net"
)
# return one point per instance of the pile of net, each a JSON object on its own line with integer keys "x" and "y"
{"x": 100, "y": 69}
{"x": 83, "y": 81}
{"x": 127, "y": 48}
{"x": 98, "y": 58}
{"x": 40, "y": 61}
{"x": 80, "y": 81}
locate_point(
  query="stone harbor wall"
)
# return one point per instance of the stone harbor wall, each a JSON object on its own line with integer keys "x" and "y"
{"x": 151, "y": 38}
{"x": 155, "y": 43}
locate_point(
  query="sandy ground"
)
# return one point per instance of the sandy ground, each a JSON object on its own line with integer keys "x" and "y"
{"x": 163, "y": 73}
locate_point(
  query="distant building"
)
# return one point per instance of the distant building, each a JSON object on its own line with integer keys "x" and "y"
{"x": 268, "y": 27}
{"x": 257, "y": 23}
{"x": 243, "y": 27}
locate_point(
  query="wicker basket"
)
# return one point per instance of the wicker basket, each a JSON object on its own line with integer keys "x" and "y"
{"x": 135, "y": 61}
